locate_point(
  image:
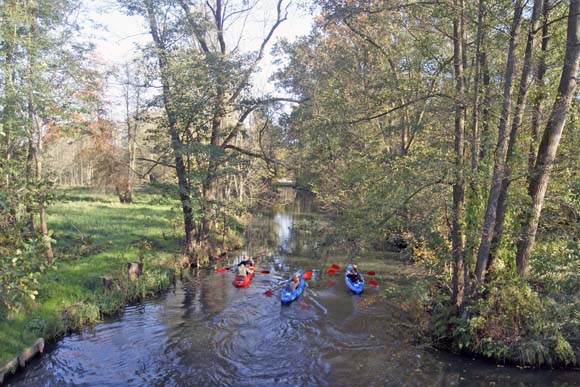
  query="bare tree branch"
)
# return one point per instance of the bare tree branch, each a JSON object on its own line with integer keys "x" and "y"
{"x": 249, "y": 110}
{"x": 404, "y": 105}
{"x": 194, "y": 26}
{"x": 250, "y": 70}
{"x": 388, "y": 216}
{"x": 218, "y": 14}
{"x": 156, "y": 162}
{"x": 252, "y": 154}
{"x": 226, "y": 17}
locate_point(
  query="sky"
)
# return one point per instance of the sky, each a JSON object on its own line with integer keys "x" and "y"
{"x": 117, "y": 35}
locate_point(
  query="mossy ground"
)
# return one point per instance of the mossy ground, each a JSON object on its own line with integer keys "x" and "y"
{"x": 96, "y": 236}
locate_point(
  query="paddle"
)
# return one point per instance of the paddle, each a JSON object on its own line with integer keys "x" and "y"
{"x": 269, "y": 292}
{"x": 224, "y": 269}
{"x": 330, "y": 271}
{"x": 373, "y": 282}
{"x": 371, "y": 273}
{"x": 335, "y": 266}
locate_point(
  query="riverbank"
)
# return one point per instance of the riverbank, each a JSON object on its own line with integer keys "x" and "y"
{"x": 327, "y": 333}
{"x": 530, "y": 322}
{"x": 96, "y": 237}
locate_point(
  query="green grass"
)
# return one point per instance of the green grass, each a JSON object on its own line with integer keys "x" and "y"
{"x": 96, "y": 236}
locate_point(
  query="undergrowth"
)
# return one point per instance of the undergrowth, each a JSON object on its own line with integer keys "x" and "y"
{"x": 533, "y": 322}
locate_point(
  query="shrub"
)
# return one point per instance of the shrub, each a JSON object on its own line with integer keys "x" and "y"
{"x": 20, "y": 268}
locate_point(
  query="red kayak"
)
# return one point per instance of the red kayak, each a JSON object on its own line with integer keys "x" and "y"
{"x": 241, "y": 281}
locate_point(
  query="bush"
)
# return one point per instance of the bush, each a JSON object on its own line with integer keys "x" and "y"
{"x": 46, "y": 326}
{"x": 20, "y": 268}
{"x": 79, "y": 314}
{"x": 508, "y": 322}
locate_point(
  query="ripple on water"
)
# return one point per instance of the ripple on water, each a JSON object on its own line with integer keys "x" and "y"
{"x": 208, "y": 333}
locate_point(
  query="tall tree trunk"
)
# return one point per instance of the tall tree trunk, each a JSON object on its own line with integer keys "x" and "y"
{"x": 404, "y": 132}
{"x": 537, "y": 109}
{"x": 500, "y": 152}
{"x": 9, "y": 101}
{"x": 551, "y": 139}
{"x": 485, "y": 135}
{"x": 176, "y": 143}
{"x": 131, "y": 120}
{"x": 516, "y": 123}
{"x": 30, "y": 177}
{"x": 475, "y": 141}
{"x": 42, "y": 210}
{"x": 35, "y": 131}
{"x": 458, "y": 238}
{"x": 35, "y": 156}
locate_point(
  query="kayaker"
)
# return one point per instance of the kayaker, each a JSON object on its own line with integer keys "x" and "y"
{"x": 354, "y": 275}
{"x": 250, "y": 267}
{"x": 293, "y": 282}
{"x": 242, "y": 270}
{"x": 248, "y": 261}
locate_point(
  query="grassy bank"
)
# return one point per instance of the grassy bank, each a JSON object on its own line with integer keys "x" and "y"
{"x": 95, "y": 236}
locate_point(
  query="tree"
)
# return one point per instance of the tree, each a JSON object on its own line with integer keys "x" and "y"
{"x": 38, "y": 98}
{"x": 206, "y": 104}
{"x": 551, "y": 138}
{"x": 501, "y": 150}
{"x": 458, "y": 212}
{"x": 517, "y": 121}
{"x": 132, "y": 85}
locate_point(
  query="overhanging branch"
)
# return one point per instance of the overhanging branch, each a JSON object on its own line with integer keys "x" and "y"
{"x": 250, "y": 109}
{"x": 156, "y": 163}
{"x": 399, "y": 107}
{"x": 279, "y": 19}
{"x": 253, "y": 154}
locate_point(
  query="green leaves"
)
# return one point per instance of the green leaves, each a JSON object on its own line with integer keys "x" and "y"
{"x": 19, "y": 273}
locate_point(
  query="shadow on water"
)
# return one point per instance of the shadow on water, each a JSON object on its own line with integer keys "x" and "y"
{"x": 205, "y": 332}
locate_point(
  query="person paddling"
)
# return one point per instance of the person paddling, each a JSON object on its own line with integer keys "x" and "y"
{"x": 246, "y": 266}
{"x": 354, "y": 275}
{"x": 294, "y": 282}
{"x": 242, "y": 270}
{"x": 248, "y": 261}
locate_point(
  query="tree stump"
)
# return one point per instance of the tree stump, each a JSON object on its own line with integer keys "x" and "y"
{"x": 134, "y": 269}
{"x": 124, "y": 191}
{"x": 107, "y": 282}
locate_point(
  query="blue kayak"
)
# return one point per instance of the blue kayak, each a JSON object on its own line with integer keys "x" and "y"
{"x": 287, "y": 295}
{"x": 355, "y": 287}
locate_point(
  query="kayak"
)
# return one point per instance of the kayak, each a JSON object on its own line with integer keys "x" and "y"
{"x": 287, "y": 295}
{"x": 355, "y": 287}
{"x": 243, "y": 281}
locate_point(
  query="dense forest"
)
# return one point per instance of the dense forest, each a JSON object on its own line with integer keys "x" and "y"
{"x": 445, "y": 129}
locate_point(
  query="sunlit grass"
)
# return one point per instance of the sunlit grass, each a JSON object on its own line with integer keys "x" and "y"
{"x": 95, "y": 236}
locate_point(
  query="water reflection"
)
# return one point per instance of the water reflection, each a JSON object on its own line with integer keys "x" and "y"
{"x": 283, "y": 223}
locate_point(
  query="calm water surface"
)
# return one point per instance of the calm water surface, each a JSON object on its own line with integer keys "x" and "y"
{"x": 205, "y": 332}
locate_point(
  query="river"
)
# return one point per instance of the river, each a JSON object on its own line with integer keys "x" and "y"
{"x": 205, "y": 332}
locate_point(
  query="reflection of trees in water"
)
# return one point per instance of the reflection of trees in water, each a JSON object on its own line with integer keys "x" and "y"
{"x": 276, "y": 231}
{"x": 204, "y": 297}
{"x": 296, "y": 229}
{"x": 260, "y": 235}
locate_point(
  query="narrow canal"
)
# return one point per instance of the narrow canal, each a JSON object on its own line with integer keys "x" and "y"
{"x": 205, "y": 332}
